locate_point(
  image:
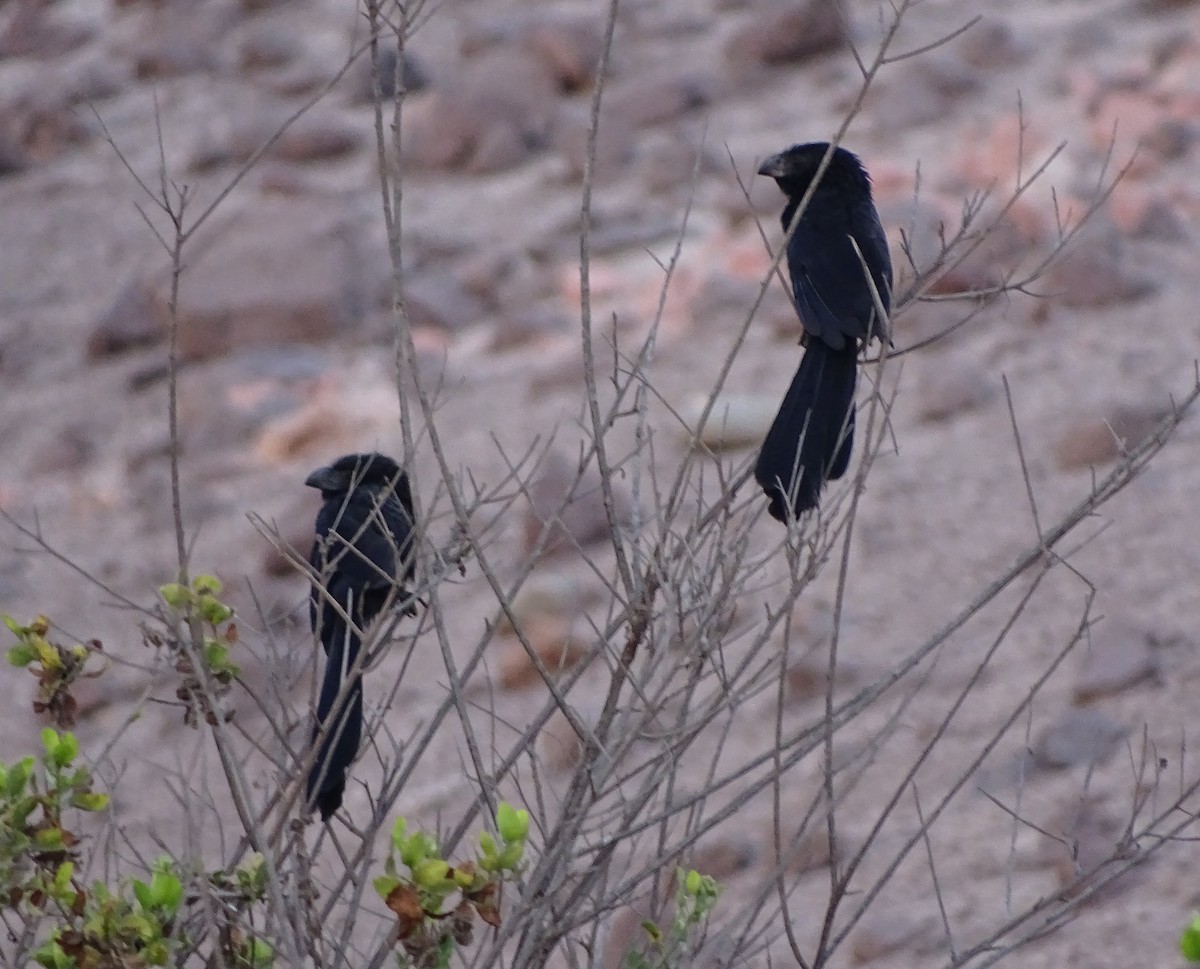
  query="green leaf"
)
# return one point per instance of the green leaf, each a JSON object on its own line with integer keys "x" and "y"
{"x": 89, "y": 801}
{"x": 510, "y": 857}
{"x": 1189, "y": 942}
{"x": 156, "y": 953}
{"x": 51, "y": 955}
{"x": 21, "y": 655}
{"x": 141, "y": 891}
{"x": 67, "y": 749}
{"x": 21, "y": 811}
{"x": 62, "y": 877}
{"x": 50, "y": 741}
{"x": 47, "y": 654}
{"x": 691, "y": 882}
{"x": 398, "y": 832}
{"x": 259, "y": 953}
{"x": 512, "y": 824}
{"x": 49, "y": 839}
{"x": 214, "y": 611}
{"x": 18, "y": 777}
{"x": 14, "y": 627}
{"x": 207, "y": 584}
{"x": 175, "y": 595}
{"x": 167, "y": 891}
{"x": 431, "y": 873}
{"x": 416, "y": 848}
{"x": 385, "y": 885}
{"x": 252, "y": 877}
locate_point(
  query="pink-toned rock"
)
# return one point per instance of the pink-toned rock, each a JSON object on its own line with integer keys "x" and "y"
{"x": 1078, "y": 737}
{"x": 268, "y": 45}
{"x": 498, "y": 147}
{"x": 303, "y": 77}
{"x": 722, "y": 297}
{"x": 552, "y": 642}
{"x": 808, "y": 852}
{"x": 970, "y": 268}
{"x": 1117, "y": 657}
{"x": 655, "y": 100}
{"x": 940, "y": 321}
{"x": 42, "y": 30}
{"x": 880, "y": 935}
{"x": 522, "y": 328}
{"x": 566, "y": 509}
{"x": 918, "y": 228}
{"x": 733, "y": 422}
{"x": 53, "y": 130}
{"x": 562, "y": 748}
{"x": 786, "y": 33}
{"x": 286, "y": 270}
{"x": 1095, "y": 439}
{"x": 624, "y": 933}
{"x": 225, "y": 404}
{"x": 545, "y": 596}
{"x": 721, "y": 856}
{"x": 1127, "y": 118}
{"x": 503, "y": 98}
{"x": 295, "y": 526}
{"x": 950, "y": 384}
{"x": 1095, "y": 270}
{"x": 922, "y": 90}
{"x": 765, "y": 200}
{"x": 1162, "y": 6}
{"x": 1085, "y": 844}
{"x": 437, "y": 299}
{"x": 137, "y": 317}
{"x": 614, "y": 142}
{"x": 808, "y": 678}
{"x": 994, "y": 154}
{"x": 992, "y": 44}
{"x": 318, "y": 135}
{"x": 13, "y": 156}
{"x": 172, "y": 54}
{"x": 570, "y": 49}
{"x": 67, "y": 451}
{"x": 313, "y": 429}
{"x": 84, "y": 79}
{"x": 1142, "y": 211}
{"x": 558, "y": 743}
{"x": 413, "y": 75}
{"x": 662, "y": 153}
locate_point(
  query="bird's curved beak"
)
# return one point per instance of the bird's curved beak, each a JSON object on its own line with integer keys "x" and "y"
{"x": 326, "y": 479}
{"x": 772, "y": 166}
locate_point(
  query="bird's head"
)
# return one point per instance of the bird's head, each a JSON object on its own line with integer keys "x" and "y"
{"x": 353, "y": 470}
{"x": 794, "y": 168}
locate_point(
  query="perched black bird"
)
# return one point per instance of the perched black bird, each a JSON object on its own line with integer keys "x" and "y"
{"x": 363, "y": 556}
{"x": 810, "y": 440}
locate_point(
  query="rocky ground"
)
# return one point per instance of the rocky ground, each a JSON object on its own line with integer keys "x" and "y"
{"x": 288, "y": 360}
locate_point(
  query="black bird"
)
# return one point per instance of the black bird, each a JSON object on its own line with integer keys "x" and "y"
{"x": 363, "y": 556}
{"x": 809, "y": 443}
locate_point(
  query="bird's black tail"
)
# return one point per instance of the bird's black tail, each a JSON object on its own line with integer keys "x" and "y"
{"x": 338, "y": 724}
{"x": 809, "y": 443}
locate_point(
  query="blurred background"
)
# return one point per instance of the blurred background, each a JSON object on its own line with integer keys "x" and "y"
{"x": 286, "y": 334}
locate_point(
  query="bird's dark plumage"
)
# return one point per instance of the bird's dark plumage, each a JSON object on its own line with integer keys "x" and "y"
{"x": 363, "y": 557}
{"x": 812, "y": 435}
